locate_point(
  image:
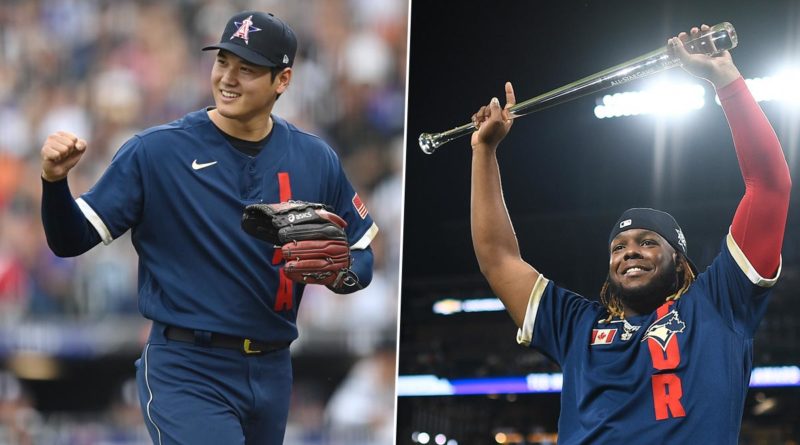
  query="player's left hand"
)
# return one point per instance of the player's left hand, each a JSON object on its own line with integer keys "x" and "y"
{"x": 493, "y": 123}
{"x": 312, "y": 239}
{"x": 718, "y": 69}
{"x": 325, "y": 262}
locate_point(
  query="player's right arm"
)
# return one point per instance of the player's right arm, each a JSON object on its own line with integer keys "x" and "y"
{"x": 760, "y": 220}
{"x": 67, "y": 230}
{"x": 493, "y": 238}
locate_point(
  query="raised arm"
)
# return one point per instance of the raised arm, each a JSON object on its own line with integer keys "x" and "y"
{"x": 493, "y": 236}
{"x": 760, "y": 220}
{"x": 67, "y": 230}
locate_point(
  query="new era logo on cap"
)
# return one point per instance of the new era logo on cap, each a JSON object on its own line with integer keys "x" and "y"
{"x": 625, "y": 223}
{"x": 681, "y": 239}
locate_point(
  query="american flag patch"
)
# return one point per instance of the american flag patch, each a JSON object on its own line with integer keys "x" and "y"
{"x": 360, "y": 207}
{"x": 603, "y": 336}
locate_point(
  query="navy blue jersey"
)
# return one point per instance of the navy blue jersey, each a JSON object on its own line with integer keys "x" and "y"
{"x": 679, "y": 375}
{"x": 181, "y": 188}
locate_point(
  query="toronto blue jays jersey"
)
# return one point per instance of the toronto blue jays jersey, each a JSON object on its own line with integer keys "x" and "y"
{"x": 678, "y": 375}
{"x": 181, "y": 188}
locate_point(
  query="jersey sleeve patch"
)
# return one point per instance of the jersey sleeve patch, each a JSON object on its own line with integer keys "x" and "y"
{"x": 360, "y": 207}
{"x": 366, "y": 239}
{"x": 525, "y": 333}
{"x": 95, "y": 220}
{"x": 747, "y": 268}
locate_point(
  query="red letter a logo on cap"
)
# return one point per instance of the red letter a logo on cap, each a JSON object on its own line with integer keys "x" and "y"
{"x": 244, "y": 30}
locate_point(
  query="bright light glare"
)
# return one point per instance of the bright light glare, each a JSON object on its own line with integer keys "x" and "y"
{"x": 783, "y": 87}
{"x": 423, "y": 438}
{"x": 663, "y": 99}
{"x": 451, "y": 306}
{"x": 791, "y": 87}
{"x": 452, "y": 442}
{"x": 500, "y": 438}
{"x": 440, "y": 439}
{"x": 776, "y": 375}
{"x": 417, "y": 385}
{"x": 671, "y": 99}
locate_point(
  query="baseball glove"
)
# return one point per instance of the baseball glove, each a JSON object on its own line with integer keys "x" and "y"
{"x": 312, "y": 239}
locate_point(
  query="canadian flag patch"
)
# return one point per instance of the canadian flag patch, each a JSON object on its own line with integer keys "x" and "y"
{"x": 361, "y": 209}
{"x": 603, "y": 336}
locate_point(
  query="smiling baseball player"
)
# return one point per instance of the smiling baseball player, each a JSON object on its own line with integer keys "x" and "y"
{"x": 216, "y": 369}
{"x": 666, "y": 355}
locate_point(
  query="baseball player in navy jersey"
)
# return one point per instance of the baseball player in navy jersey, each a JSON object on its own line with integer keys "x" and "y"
{"x": 666, "y": 354}
{"x": 216, "y": 368}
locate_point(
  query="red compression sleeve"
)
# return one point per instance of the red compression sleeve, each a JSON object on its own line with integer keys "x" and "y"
{"x": 760, "y": 219}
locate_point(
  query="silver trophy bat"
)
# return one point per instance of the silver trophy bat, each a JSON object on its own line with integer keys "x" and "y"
{"x": 718, "y": 38}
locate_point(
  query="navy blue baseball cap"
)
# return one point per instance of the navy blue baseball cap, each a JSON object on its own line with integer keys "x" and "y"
{"x": 656, "y": 221}
{"x": 259, "y": 38}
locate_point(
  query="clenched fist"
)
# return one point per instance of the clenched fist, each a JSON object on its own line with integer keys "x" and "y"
{"x": 60, "y": 152}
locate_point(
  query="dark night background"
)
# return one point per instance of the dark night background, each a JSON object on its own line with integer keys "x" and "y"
{"x": 567, "y": 176}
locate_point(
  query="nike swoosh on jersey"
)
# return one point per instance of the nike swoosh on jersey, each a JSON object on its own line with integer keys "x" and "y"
{"x": 197, "y": 166}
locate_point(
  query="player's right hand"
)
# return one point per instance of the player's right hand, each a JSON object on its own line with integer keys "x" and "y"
{"x": 718, "y": 69}
{"x": 492, "y": 122}
{"x": 60, "y": 152}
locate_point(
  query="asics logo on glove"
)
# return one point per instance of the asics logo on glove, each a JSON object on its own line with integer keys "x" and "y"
{"x": 298, "y": 216}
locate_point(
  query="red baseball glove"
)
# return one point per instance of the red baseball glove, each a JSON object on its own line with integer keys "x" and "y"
{"x": 312, "y": 239}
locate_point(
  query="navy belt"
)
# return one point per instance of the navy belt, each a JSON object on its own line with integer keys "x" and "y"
{"x": 210, "y": 339}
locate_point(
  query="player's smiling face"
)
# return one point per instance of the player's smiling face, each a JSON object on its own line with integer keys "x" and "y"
{"x": 243, "y": 91}
{"x": 642, "y": 268}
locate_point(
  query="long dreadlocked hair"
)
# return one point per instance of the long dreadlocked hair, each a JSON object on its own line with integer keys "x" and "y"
{"x": 613, "y": 302}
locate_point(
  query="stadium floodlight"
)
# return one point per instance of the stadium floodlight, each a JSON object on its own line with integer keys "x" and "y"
{"x": 782, "y": 87}
{"x": 675, "y": 99}
{"x": 661, "y": 99}
{"x": 450, "y": 306}
{"x": 431, "y": 385}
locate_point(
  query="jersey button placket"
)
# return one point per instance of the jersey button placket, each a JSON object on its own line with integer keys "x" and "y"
{"x": 246, "y": 179}
{"x": 251, "y": 180}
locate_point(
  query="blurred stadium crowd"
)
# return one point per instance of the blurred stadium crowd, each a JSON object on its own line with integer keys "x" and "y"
{"x": 106, "y": 69}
